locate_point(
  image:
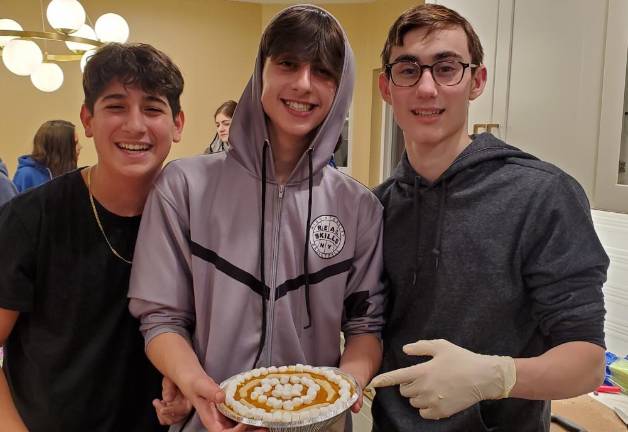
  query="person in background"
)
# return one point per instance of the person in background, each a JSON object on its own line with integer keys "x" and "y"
{"x": 492, "y": 262}
{"x": 55, "y": 152}
{"x": 222, "y": 117}
{"x": 264, "y": 254}
{"x": 7, "y": 188}
{"x": 7, "y": 191}
{"x": 74, "y": 356}
{"x": 332, "y": 160}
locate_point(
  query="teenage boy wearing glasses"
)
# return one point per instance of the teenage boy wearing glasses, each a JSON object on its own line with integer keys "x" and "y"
{"x": 496, "y": 305}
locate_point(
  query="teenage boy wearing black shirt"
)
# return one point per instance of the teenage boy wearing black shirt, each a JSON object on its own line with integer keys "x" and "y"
{"x": 74, "y": 357}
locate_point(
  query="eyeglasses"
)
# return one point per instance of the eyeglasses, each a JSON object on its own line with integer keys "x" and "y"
{"x": 406, "y": 73}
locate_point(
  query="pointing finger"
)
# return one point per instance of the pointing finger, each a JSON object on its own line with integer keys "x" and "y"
{"x": 395, "y": 377}
{"x": 424, "y": 347}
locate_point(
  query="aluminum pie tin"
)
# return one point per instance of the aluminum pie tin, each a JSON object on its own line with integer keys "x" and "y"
{"x": 312, "y": 424}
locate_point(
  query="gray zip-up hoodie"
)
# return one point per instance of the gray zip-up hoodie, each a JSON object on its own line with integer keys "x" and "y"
{"x": 499, "y": 256}
{"x": 221, "y": 249}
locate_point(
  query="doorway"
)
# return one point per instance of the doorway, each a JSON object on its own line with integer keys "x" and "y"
{"x": 392, "y": 142}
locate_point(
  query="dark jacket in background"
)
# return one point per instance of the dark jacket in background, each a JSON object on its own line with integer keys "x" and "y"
{"x": 7, "y": 188}
{"x": 30, "y": 173}
{"x": 216, "y": 146}
{"x": 499, "y": 256}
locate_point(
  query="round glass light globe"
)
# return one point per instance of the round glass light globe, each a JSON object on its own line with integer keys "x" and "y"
{"x": 112, "y": 27}
{"x": 85, "y": 32}
{"x": 85, "y": 58}
{"x": 8, "y": 24}
{"x": 47, "y": 77}
{"x": 66, "y": 16}
{"x": 21, "y": 56}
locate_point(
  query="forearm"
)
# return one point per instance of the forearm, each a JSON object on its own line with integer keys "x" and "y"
{"x": 565, "y": 371}
{"x": 10, "y": 420}
{"x": 173, "y": 356}
{"x": 362, "y": 357}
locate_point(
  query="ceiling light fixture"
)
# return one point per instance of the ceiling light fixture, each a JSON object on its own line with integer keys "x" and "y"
{"x": 23, "y": 56}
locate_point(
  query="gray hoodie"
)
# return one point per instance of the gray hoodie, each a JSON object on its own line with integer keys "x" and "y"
{"x": 7, "y": 188}
{"x": 498, "y": 256}
{"x": 206, "y": 228}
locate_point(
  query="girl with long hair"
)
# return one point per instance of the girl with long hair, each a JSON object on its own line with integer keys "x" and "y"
{"x": 55, "y": 152}
{"x": 222, "y": 117}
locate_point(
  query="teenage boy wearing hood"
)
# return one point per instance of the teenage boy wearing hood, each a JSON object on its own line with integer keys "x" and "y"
{"x": 496, "y": 305}
{"x": 263, "y": 254}
{"x": 7, "y": 188}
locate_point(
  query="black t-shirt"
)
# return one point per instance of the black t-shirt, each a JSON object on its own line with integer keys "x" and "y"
{"x": 75, "y": 359}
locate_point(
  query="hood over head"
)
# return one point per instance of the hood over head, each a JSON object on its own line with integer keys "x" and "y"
{"x": 249, "y": 138}
{"x": 249, "y": 131}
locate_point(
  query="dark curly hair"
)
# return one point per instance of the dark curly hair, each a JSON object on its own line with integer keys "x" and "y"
{"x": 139, "y": 65}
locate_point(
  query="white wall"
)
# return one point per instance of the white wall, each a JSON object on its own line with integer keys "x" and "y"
{"x": 612, "y": 228}
{"x": 556, "y": 83}
{"x": 623, "y": 152}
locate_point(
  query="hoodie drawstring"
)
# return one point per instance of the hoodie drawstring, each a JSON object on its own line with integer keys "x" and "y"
{"x": 439, "y": 225}
{"x": 417, "y": 227}
{"x": 261, "y": 263}
{"x": 307, "y": 241}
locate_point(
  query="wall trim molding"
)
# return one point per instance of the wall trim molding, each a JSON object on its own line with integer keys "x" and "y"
{"x": 618, "y": 328}
{"x": 615, "y": 293}
{"x": 612, "y": 229}
{"x": 618, "y": 256}
{"x": 605, "y": 219}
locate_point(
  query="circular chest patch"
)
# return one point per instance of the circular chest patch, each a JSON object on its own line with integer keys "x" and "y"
{"x": 327, "y": 236}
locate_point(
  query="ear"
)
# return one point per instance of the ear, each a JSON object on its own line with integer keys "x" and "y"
{"x": 384, "y": 87}
{"x": 478, "y": 82}
{"x": 86, "y": 119}
{"x": 179, "y": 121}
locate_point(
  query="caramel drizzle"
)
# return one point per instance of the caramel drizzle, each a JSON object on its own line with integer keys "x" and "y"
{"x": 328, "y": 393}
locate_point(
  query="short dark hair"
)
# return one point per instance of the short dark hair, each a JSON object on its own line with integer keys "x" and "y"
{"x": 227, "y": 108}
{"x": 432, "y": 17}
{"x": 132, "y": 64}
{"x": 310, "y": 35}
{"x": 54, "y": 146}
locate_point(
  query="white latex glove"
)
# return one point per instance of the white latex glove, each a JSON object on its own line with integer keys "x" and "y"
{"x": 454, "y": 379}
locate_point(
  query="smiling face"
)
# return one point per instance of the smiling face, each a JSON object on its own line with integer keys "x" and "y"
{"x": 296, "y": 97}
{"x": 223, "y": 122}
{"x": 430, "y": 114}
{"x": 132, "y": 130}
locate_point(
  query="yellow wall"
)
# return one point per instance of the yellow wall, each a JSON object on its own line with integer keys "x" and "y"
{"x": 366, "y": 26}
{"x": 214, "y": 42}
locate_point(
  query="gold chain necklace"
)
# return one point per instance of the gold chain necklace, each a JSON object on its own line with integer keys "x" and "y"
{"x": 91, "y": 200}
